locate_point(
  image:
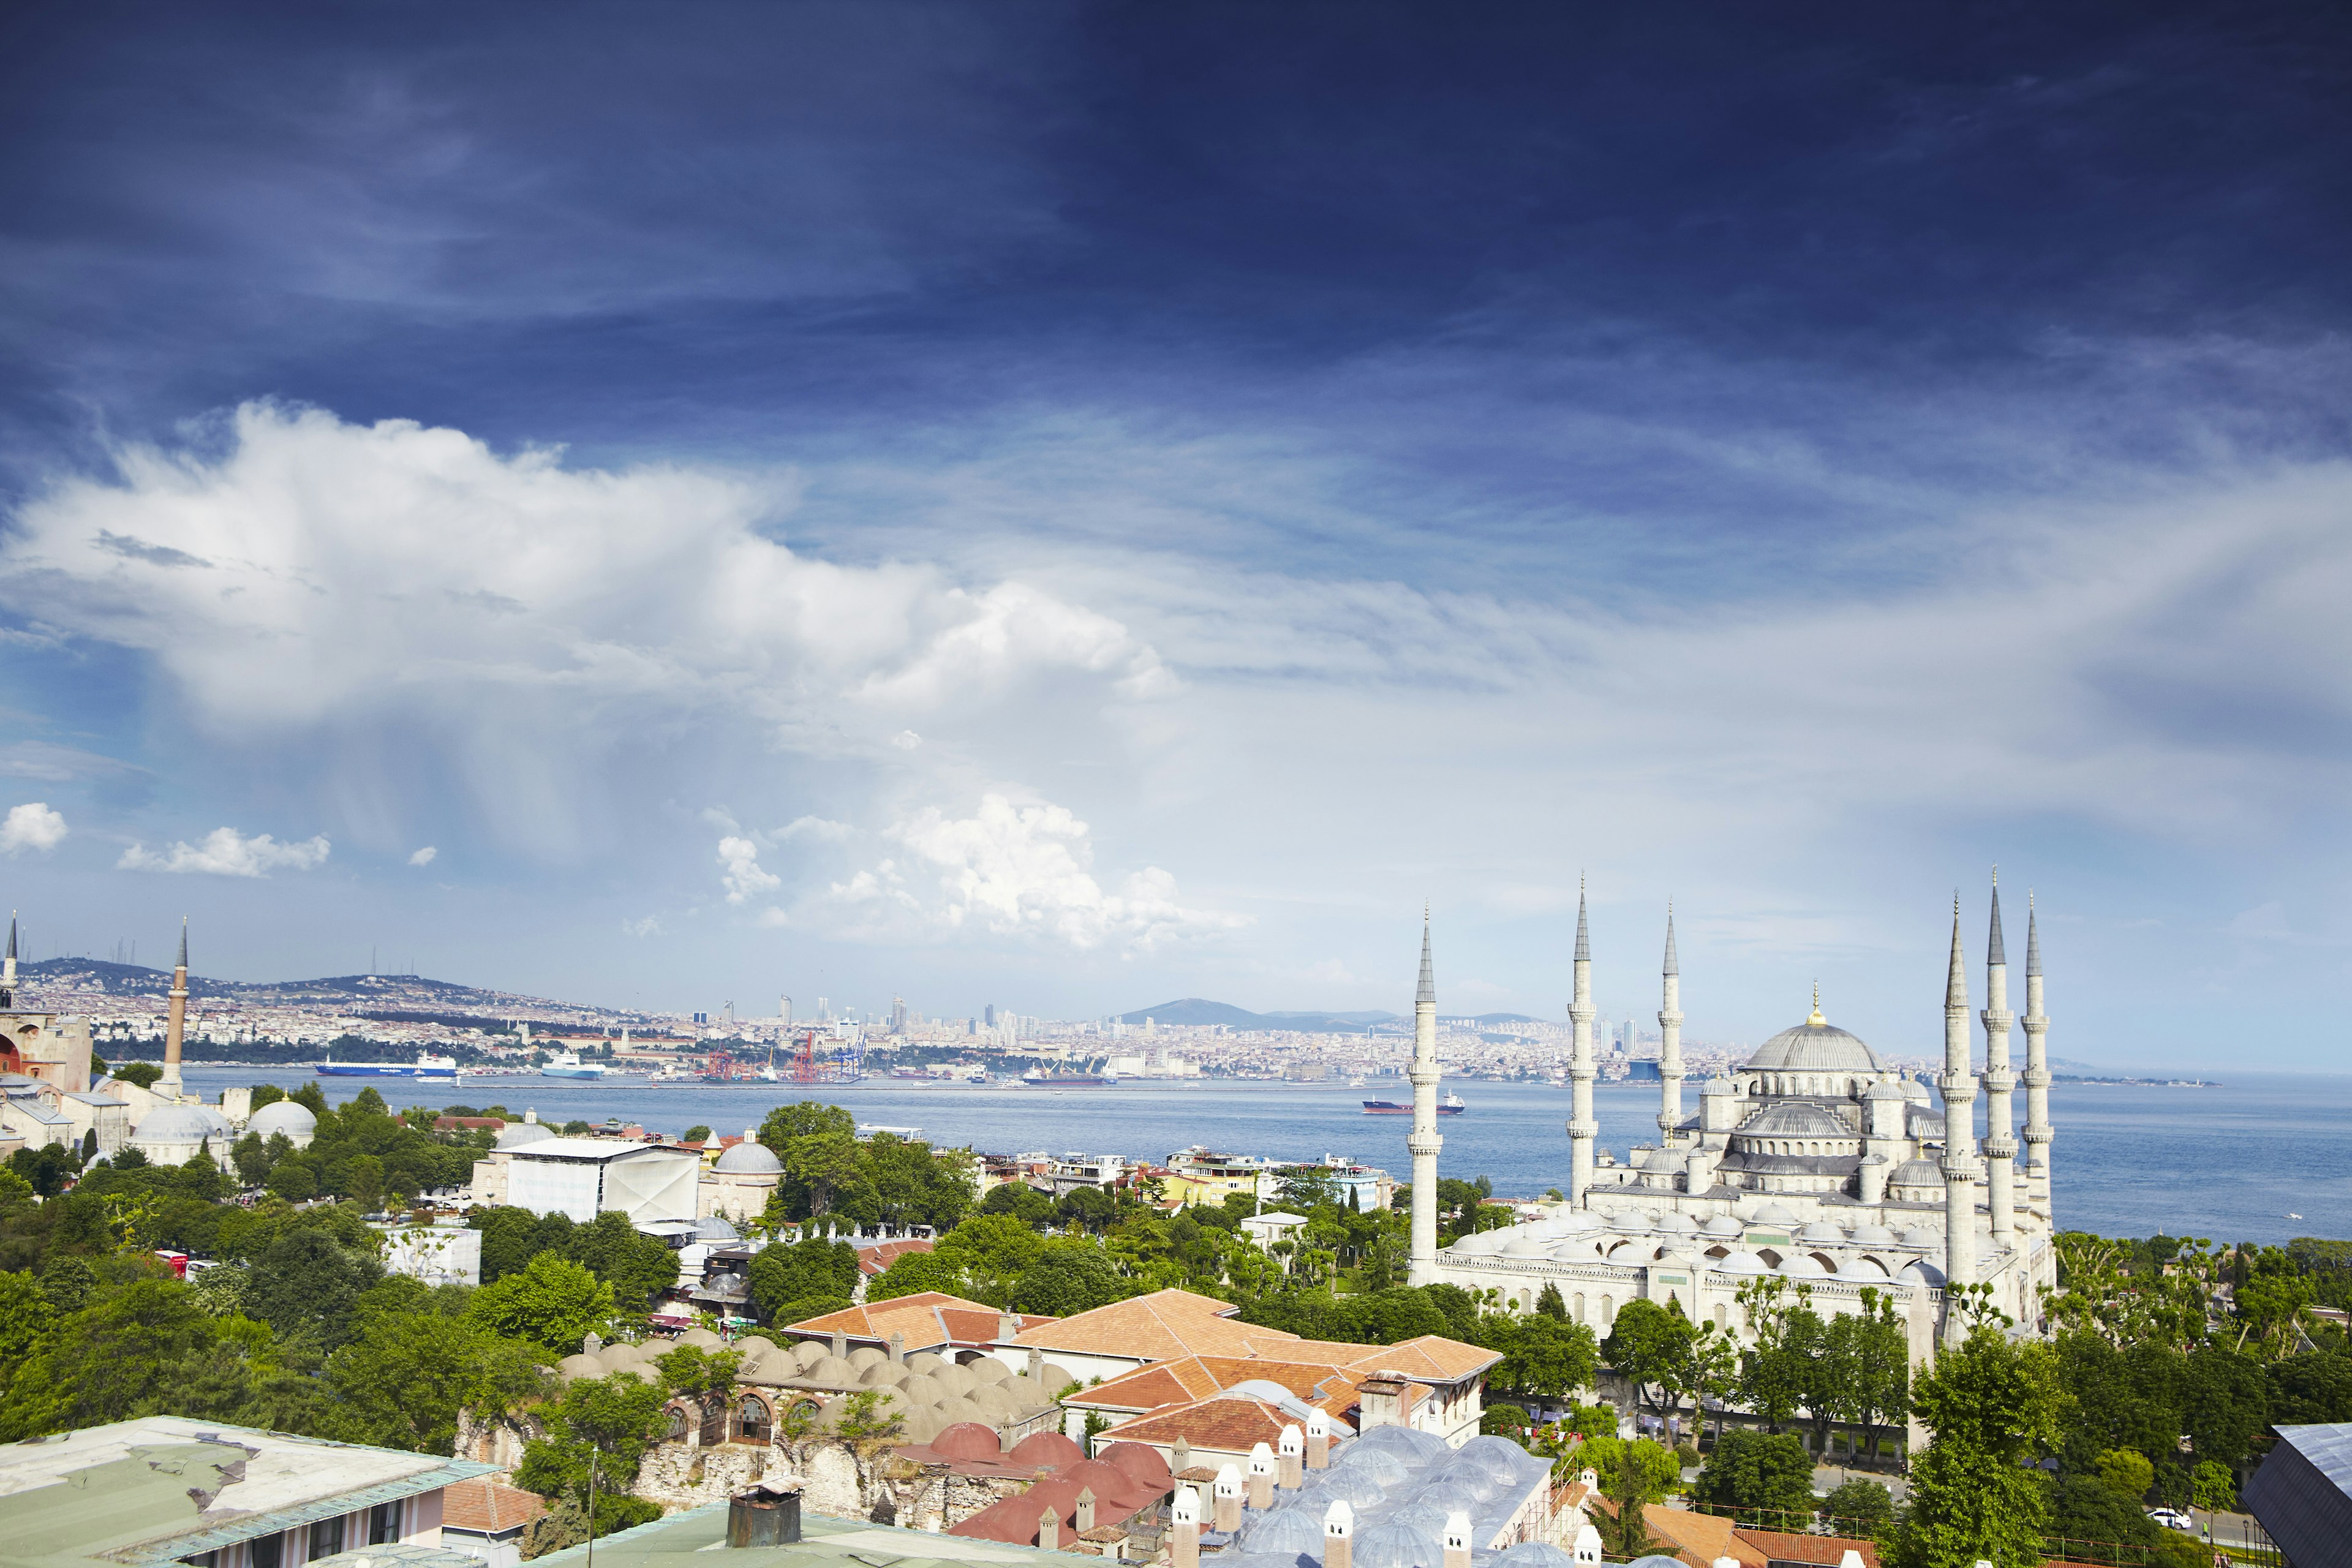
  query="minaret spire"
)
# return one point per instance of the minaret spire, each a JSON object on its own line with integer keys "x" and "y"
{"x": 2000, "y": 1142}
{"x": 8, "y": 966}
{"x": 1958, "y": 1087}
{"x": 2037, "y": 1069}
{"x": 175, "y": 1026}
{"x": 1581, "y": 1127}
{"x": 1670, "y": 1043}
{"x": 1423, "y": 1142}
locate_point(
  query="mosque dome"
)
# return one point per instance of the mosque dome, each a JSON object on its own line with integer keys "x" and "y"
{"x": 1527, "y": 1247}
{"x": 1920, "y": 1235}
{"x": 1629, "y": 1221}
{"x": 1921, "y": 1272}
{"x": 1774, "y": 1214}
{"x": 1885, "y": 1090}
{"x": 1796, "y": 1118}
{"x": 515, "y": 1134}
{"x": 1722, "y": 1224}
{"x": 1676, "y": 1223}
{"x": 1739, "y": 1260}
{"x": 716, "y": 1227}
{"x": 1575, "y": 1222}
{"x": 1824, "y": 1231}
{"x": 749, "y": 1159}
{"x": 1815, "y": 1046}
{"x": 173, "y": 1124}
{"x": 1803, "y": 1266}
{"x": 290, "y": 1117}
{"x": 1872, "y": 1235}
{"x": 1915, "y": 1173}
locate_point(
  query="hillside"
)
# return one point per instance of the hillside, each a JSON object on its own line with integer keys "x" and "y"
{"x": 1195, "y": 1010}
{"x": 365, "y": 995}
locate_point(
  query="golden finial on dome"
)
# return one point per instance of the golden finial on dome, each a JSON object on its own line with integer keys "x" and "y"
{"x": 1817, "y": 1021}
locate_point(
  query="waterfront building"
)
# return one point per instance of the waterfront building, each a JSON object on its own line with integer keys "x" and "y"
{"x": 1814, "y": 1161}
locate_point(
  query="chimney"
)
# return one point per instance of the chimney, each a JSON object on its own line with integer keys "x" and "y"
{"x": 764, "y": 1515}
{"x": 1049, "y": 1531}
{"x": 1380, "y": 1400}
{"x": 1261, "y": 1476}
{"x": 1338, "y": 1534}
{"x": 1184, "y": 1530}
{"x": 1292, "y": 1453}
{"x": 593, "y": 1343}
{"x": 1587, "y": 1545}
{"x": 897, "y": 1346}
{"x": 1228, "y": 1516}
{"x": 1458, "y": 1539}
{"x": 1008, "y": 1327}
{"x": 1036, "y": 1361}
{"x": 1319, "y": 1440}
{"x": 1083, "y": 1518}
{"x": 1180, "y": 1460}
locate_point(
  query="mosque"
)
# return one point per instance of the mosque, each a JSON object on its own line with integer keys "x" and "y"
{"x": 1814, "y": 1161}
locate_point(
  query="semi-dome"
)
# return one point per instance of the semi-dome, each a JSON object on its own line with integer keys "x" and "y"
{"x": 749, "y": 1159}
{"x": 1916, "y": 1173}
{"x": 1815, "y": 1046}
{"x": 290, "y": 1117}
{"x": 515, "y": 1134}
{"x": 1795, "y": 1118}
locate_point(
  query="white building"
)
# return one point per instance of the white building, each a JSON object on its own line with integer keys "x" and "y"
{"x": 1814, "y": 1161}
{"x": 582, "y": 1177}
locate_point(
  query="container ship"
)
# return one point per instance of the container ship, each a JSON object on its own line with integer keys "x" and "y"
{"x": 1035, "y": 1079}
{"x": 1447, "y": 1105}
{"x": 425, "y": 1065}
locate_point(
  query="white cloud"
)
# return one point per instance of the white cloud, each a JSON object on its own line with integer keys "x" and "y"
{"x": 505, "y": 614}
{"x": 744, "y": 879}
{"x": 226, "y": 852}
{"x": 32, "y": 826}
{"x": 1020, "y": 870}
{"x": 649, "y": 926}
{"x": 423, "y": 856}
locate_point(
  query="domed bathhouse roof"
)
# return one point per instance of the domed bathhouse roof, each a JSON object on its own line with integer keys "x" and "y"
{"x": 515, "y": 1134}
{"x": 290, "y": 1117}
{"x": 1395, "y": 1546}
{"x": 1284, "y": 1532}
{"x": 1387, "y": 1467}
{"x": 1415, "y": 1444}
{"x": 749, "y": 1159}
{"x": 1815, "y": 1046}
{"x": 1535, "y": 1554}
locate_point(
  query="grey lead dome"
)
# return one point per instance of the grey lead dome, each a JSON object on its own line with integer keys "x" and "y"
{"x": 1815, "y": 1047}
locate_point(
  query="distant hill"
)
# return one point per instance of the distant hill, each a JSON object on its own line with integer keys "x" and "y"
{"x": 388, "y": 996}
{"x": 1195, "y": 1010}
{"x": 1502, "y": 1018}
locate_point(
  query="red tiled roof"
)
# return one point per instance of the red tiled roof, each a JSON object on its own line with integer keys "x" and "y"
{"x": 487, "y": 1506}
{"x": 1780, "y": 1546}
{"x": 924, "y": 1320}
{"x": 1230, "y": 1424}
{"x": 1698, "y": 1538}
{"x": 875, "y": 1259}
{"x": 1014, "y": 1520}
{"x": 1161, "y": 1326}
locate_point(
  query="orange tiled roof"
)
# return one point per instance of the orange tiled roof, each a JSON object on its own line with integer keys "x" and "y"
{"x": 874, "y": 1259}
{"x": 1780, "y": 1546}
{"x": 488, "y": 1506}
{"x": 1431, "y": 1358}
{"x": 1230, "y": 1424}
{"x": 925, "y": 1320}
{"x": 1162, "y": 1326}
{"x": 1699, "y": 1538}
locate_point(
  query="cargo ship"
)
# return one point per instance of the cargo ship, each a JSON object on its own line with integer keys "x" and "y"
{"x": 1034, "y": 1079}
{"x": 1447, "y": 1105}
{"x": 425, "y": 1065}
{"x": 567, "y": 1064}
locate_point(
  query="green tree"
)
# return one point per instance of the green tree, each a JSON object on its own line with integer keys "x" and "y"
{"x": 993, "y": 1250}
{"x": 697, "y": 1134}
{"x": 1866, "y": 1365}
{"x": 1859, "y": 1507}
{"x": 1549, "y": 1303}
{"x": 606, "y": 1423}
{"x": 1020, "y": 1201}
{"x": 308, "y": 1283}
{"x": 1764, "y": 1477}
{"x": 1995, "y": 1406}
{"x": 554, "y": 1303}
{"x": 2127, "y": 1472}
{"x": 638, "y": 1267}
{"x": 1649, "y": 1346}
{"x": 912, "y": 1273}
{"x": 816, "y": 1270}
{"x": 1777, "y": 1373}
{"x": 251, "y": 1158}
{"x": 1632, "y": 1476}
{"x": 403, "y": 1380}
{"x": 1068, "y": 1277}
{"x": 146, "y": 1075}
{"x": 1546, "y": 1357}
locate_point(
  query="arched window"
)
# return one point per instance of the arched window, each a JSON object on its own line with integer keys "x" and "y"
{"x": 1577, "y": 1306}
{"x": 1722, "y": 1314}
{"x": 1608, "y": 1310}
{"x": 676, "y": 1432}
{"x": 751, "y": 1424}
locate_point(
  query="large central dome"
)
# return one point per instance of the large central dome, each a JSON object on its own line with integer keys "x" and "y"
{"x": 1814, "y": 1046}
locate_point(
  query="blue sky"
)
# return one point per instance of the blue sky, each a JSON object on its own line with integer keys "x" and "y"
{"x": 1074, "y": 505}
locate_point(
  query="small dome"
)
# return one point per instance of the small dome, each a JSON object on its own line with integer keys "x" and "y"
{"x": 1577, "y": 1249}
{"x": 1576, "y": 1221}
{"x": 955, "y": 1379}
{"x": 925, "y": 1363}
{"x": 749, "y": 1159}
{"x": 832, "y": 1371}
{"x": 1483, "y": 1243}
{"x": 1359, "y": 1489}
{"x": 1446, "y": 1497}
{"x": 1527, "y": 1246}
{"x": 1870, "y": 1234}
{"x": 886, "y": 1374}
{"x": 702, "y": 1339}
{"x": 1885, "y": 1089}
{"x": 988, "y": 1369}
{"x": 1803, "y": 1266}
{"x": 921, "y": 1426}
{"x": 1867, "y": 1270}
{"x": 577, "y": 1364}
{"x": 1815, "y": 1046}
{"x": 1629, "y": 1221}
{"x": 1921, "y": 1236}
{"x": 1381, "y": 1465}
{"x": 1675, "y": 1222}
{"x": 922, "y": 1390}
{"x": 1774, "y": 1214}
{"x": 1535, "y": 1554}
{"x": 864, "y": 1356}
{"x": 515, "y": 1134}
{"x": 1720, "y": 1086}
{"x": 1916, "y": 1173}
{"x": 1916, "y": 1092}
{"x": 1285, "y": 1533}
{"x": 1395, "y": 1546}
{"x": 1722, "y": 1224}
{"x": 1920, "y": 1271}
{"x": 290, "y": 1117}
{"x": 1663, "y": 1161}
{"x": 969, "y": 1440}
{"x": 1739, "y": 1260}
{"x": 1139, "y": 1463}
{"x": 1824, "y": 1231}
{"x": 960, "y": 1413}
{"x": 1418, "y": 1446}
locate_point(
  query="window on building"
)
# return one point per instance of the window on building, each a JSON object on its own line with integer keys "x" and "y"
{"x": 754, "y": 1425}
{"x": 266, "y": 1552}
{"x": 383, "y": 1525}
{"x": 326, "y": 1538}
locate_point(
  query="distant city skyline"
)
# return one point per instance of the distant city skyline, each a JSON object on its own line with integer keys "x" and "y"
{"x": 1067, "y": 509}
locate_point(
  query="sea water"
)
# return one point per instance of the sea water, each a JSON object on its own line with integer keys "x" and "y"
{"x": 2237, "y": 1163}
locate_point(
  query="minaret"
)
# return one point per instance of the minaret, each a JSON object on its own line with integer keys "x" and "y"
{"x": 1423, "y": 1142}
{"x": 1670, "y": 1043}
{"x": 1960, "y": 1167}
{"x": 1581, "y": 1128}
{"x": 2037, "y": 1071}
{"x": 2000, "y": 1136}
{"x": 168, "y": 1086}
{"x": 8, "y": 967}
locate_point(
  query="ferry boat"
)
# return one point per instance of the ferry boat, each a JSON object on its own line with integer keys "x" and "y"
{"x": 567, "y": 1064}
{"x": 1447, "y": 1105}
{"x": 425, "y": 1065}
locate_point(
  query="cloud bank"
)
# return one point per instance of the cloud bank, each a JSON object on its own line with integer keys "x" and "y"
{"x": 226, "y": 852}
